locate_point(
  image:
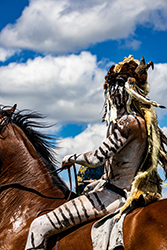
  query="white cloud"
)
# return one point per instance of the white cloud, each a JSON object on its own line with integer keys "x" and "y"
{"x": 67, "y": 88}
{"x": 164, "y": 129}
{"x": 6, "y": 53}
{"x": 69, "y": 25}
{"x": 158, "y": 87}
{"x": 131, "y": 44}
{"x": 90, "y": 139}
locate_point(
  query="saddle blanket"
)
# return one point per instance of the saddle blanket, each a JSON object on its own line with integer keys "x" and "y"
{"x": 107, "y": 233}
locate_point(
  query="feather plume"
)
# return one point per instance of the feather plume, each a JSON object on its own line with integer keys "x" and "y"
{"x": 139, "y": 97}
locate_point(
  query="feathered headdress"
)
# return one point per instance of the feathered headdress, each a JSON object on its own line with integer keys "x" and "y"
{"x": 136, "y": 85}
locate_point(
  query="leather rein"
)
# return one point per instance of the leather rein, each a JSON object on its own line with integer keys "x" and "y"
{"x": 18, "y": 184}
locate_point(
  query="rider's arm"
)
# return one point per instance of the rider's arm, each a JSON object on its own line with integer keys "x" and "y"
{"x": 122, "y": 133}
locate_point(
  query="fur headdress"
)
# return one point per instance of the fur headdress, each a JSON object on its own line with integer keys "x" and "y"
{"x": 134, "y": 73}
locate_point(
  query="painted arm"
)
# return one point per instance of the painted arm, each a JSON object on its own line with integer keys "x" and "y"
{"x": 121, "y": 134}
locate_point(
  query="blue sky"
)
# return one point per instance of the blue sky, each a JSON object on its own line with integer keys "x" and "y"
{"x": 54, "y": 55}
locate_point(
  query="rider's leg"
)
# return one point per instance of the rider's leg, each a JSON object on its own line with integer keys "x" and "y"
{"x": 74, "y": 212}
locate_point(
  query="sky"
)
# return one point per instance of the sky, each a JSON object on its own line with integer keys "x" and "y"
{"x": 55, "y": 54}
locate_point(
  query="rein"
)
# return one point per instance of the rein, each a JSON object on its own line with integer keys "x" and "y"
{"x": 33, "y": 178}
{"x": 21, "y": 187}
{"x": 70, "y": 180}
{"x": 76, "y": 182}
{"x": 17, "y": 184}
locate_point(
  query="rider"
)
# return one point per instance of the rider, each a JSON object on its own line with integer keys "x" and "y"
{"x": 132, "y": 148}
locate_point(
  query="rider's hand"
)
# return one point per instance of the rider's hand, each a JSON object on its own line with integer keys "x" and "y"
{"x": 66, "y": 162}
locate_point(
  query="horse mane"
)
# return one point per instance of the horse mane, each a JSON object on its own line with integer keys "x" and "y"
{"x": 43, "y": 143}
{"x": 28, "y": 121}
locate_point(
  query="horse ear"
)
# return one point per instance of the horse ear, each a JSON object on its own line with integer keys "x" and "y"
{"x": 11, "y": 111}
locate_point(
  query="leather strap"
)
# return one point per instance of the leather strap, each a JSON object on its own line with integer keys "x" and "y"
{"x": 21, "y": 187}
{"x": 115, "y": 189}
{"x": 76, "y": 181}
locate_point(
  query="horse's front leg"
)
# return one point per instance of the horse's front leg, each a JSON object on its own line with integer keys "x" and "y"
{"x": 74, "y": 212}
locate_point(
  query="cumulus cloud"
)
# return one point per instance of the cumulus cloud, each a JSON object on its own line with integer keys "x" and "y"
{"x": 158, "y": 88}
{"x": 70, "y": 25}
{"x": 90, "y": 139}
{"x": 131, "y": 44}
{"x": 6, "y": 53}
{"x": 67, "y": 88}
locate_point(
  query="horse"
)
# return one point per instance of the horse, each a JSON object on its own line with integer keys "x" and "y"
{"x": 29, "y": 185}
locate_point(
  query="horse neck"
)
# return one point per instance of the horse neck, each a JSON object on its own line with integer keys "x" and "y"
{"x": 20, "y": 161}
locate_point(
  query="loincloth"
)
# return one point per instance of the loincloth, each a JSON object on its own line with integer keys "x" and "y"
{"x": 107, "y": 233}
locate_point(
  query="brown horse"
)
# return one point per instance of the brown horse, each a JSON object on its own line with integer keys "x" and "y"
{"x": 25, "y": 163}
